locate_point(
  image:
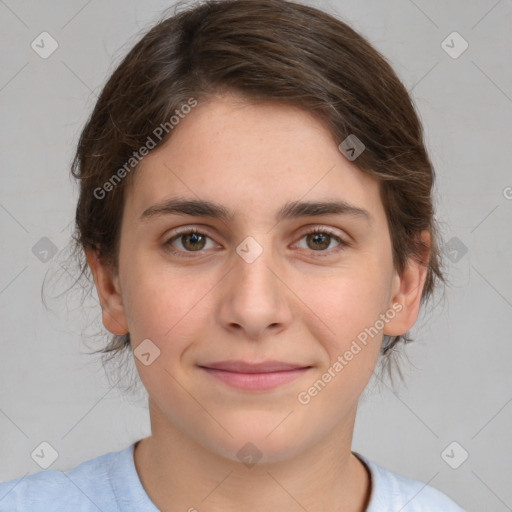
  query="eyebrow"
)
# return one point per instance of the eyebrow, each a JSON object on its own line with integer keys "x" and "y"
{"x": 291, "y": 210}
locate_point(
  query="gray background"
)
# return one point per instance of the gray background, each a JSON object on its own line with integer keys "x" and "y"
{"x": 458, "y": 378}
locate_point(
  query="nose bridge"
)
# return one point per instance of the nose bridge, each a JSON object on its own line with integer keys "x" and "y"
{"x": 254, "y": 299}
{"x": 254, "y": 259}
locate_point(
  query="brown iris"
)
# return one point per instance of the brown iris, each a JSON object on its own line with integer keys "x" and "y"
{"x": 317, "y": 239}
{"x": 193, "y": 241}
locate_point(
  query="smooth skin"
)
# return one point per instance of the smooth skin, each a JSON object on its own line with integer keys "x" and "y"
{"x": 302, "y": 300}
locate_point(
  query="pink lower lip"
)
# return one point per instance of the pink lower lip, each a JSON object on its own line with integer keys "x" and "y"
{"x": 256, "y": 381}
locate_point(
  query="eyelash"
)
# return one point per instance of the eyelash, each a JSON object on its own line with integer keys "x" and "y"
{"x": 189, "y": 231}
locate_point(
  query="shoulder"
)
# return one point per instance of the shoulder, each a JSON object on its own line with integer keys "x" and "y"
{"x": 404, "y": 494}
{"x": 88, "y": 486}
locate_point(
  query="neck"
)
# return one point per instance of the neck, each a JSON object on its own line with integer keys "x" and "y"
{"x": 180, "y": 474}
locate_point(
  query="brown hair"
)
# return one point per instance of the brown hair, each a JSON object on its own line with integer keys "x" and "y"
{"x": 263, "y": 50}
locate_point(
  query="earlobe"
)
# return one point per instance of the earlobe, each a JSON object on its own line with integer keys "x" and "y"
{"x": 109, "y": 293}
{"x": 407, "y": 291}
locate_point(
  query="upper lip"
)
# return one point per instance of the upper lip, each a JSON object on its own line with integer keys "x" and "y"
{"x": 245, "y": 367}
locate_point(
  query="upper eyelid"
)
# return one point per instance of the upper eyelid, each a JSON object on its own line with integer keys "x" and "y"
{"x": 203, "y": 230}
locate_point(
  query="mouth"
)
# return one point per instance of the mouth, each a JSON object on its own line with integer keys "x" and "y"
{"x": 254, "y": 376}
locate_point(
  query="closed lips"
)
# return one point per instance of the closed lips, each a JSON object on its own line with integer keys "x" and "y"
{"x": 244, "y": 367}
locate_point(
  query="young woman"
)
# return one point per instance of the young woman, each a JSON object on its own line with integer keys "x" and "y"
{"x": 256, "y": 212}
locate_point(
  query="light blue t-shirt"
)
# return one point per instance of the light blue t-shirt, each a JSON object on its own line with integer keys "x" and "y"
{"x": 110, "y": 483}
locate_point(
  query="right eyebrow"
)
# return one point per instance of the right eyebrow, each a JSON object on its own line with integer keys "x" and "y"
{"x": 193, "y": 207}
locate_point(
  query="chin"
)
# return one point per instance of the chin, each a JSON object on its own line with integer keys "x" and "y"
{"x": 259, "y": 443}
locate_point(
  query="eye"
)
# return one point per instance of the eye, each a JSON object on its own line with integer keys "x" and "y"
{"x": 319, "y": 239}
{"x": 191, "y": 240}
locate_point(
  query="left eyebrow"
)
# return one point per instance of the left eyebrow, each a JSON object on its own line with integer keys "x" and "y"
{"x": 291, "y": 210}
{"x": 295, "y": 209}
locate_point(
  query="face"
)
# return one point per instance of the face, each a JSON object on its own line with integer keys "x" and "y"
{"x": 254, "y": 286}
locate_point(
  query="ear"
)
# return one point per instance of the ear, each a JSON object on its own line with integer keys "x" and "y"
{"x": 407, "y": 289}
{"x": 109, "y": 293}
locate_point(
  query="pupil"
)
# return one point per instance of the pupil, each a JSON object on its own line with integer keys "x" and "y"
{"x": 193, "y": 239}
{"x": 317, "y": 239}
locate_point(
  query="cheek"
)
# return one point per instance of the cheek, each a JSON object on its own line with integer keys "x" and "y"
{"x": 173, "y": 310}
{"x": 156, "y": 295}
{"x": 163, "y": 311}
{"x": 343, "y": 320}
{"x": 160, "y": 312}
{"x": 344, "y": 305}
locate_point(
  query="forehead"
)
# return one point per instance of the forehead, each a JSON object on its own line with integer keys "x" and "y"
{"x": 253, "y": 156}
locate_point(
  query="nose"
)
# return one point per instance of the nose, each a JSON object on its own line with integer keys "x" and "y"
{"x": 255, "y": 297}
